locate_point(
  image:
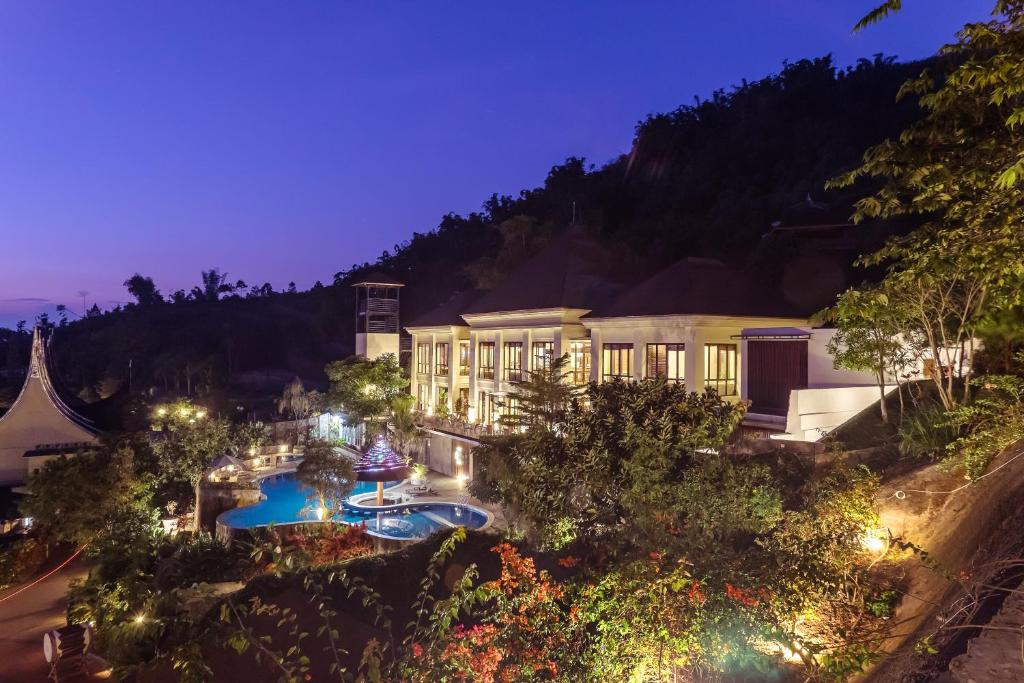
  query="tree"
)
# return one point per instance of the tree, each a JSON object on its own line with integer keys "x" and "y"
{"x": 962, "y": 168}
{"x": 875, "y": 334}
{"x": 541, "y": 401}
{"x": 214, "y": 284}
{"x": 94, "y": 493}
{"x": 365, "y": 390}
{"x": 328, "y": 472}
{"x": 299, "y": 403}
{"x": 186, "y": 439}
{"x": 144, "y": 290}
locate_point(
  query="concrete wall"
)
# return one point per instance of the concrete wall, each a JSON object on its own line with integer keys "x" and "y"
{"x": 813, "y": 413}
{"x": 375, "y": 344}
{"x": 448, "y": 455}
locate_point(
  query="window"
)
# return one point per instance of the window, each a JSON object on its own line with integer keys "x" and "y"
{"x": 441, "y": 358}
{"x": 422, "y": 396}
{"x": 423, "y": 359}
{"x": 665, "y": 361}
{"x": 462, "y": 403}
{"x": 487, "y": 412}
{"x": 512, "y": 362}
{"x": 464, "y": 358}
{"x": 617, "y": 361}
{"x": 485, "y": 364}
{"x": 542, "y": 355}
{"x": 579, "y": 361}
{"x": 720, "y": 368}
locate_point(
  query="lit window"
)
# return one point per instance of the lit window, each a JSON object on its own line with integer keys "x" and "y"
{"x": 423, "y": 359}
{"x": 464, "y": 358}
{"x": 617, "y": 361}
{"x": 579, "y": 361}
{"x": 485, "y": 363}
{"x": 665, "y": 361}
{"x": 512, "y": 362}
{"x": 543, "y": 353}
{"x": 720, "y": 368}
{"x": 422, "y": 396}
{"x": 441, "y": 358}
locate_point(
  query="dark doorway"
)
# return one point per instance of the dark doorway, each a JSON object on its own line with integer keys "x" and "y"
{"x": 774, "y": 368}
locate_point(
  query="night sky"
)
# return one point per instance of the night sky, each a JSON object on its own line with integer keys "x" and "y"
{"x": 284, "y": 141}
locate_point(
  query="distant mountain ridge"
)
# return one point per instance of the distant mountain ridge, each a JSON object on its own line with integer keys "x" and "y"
{"x": 706, "y": 180}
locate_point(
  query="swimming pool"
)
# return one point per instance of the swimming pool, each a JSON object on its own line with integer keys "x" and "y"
{"x": 286, "y": 502}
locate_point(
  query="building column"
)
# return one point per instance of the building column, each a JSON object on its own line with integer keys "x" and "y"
{"x": 453, "y": 370}
{"x": 413, "y": 375}
{"x": 432, "y": 394}
{"x": 595, "y": 356}
{"x": 474, "y": 409}
{"x": 639, "y": 347}
{"x": 694, "y": 359}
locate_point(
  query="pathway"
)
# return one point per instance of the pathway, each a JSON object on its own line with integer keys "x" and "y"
{"x": 25, "y": 615}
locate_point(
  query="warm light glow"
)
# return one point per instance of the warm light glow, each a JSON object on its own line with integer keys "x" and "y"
{"x": 874, "y": 541}
{"x": 283, "y": 448}
{"x": 140, "y": 618}
{"x": 184, "y": 412}
{"x": 161, "y": 411}
{"x": 458, "y": 455}
{"x": 252, "y": 451}
{"x": 319, "y": 512}
{"x": 789, "y": 655}
{"x": 201, "y": 414}
{"x": 462, "y": 479}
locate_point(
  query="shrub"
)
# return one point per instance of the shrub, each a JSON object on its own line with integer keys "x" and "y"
{"x": 926, "y": 432}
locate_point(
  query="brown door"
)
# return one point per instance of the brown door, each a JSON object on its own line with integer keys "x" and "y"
{"x": 774, "y": 368}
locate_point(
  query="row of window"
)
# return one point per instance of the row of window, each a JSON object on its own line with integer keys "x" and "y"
{"x": 662, "y": 360}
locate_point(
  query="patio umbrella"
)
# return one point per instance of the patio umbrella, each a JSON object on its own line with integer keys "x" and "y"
{"x": 380, "y": 464}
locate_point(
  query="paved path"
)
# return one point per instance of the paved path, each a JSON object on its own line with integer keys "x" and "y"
{"x": 24, "y": 618}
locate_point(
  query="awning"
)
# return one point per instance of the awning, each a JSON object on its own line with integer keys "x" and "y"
{"x": 226, "y": 460}
{"x": 778, "y": 333}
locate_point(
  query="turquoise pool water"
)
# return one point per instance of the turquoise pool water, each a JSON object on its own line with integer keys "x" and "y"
{"x": 287, "y": 502}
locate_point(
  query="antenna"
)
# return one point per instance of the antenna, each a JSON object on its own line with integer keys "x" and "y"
{"x": 82, "y": 293}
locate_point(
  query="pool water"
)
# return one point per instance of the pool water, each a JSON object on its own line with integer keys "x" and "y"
{"x": 287, "y": 501}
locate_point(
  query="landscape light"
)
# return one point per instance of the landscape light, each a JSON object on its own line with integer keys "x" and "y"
{"x": 319, "y": 512}
{"x": 873, "y": 542}
{"x": 462, "y": 479}
{"x": 183, "y": 412}
{"x": 201, "y": 414}
{"x": 140, "y": 618}
{"x": 161, "y": 411}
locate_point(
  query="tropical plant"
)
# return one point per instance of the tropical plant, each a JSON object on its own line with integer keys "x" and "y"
{"x": 962, "y": 168}
{"x": 328, "y": 472}
{"x": 365, "y": 390}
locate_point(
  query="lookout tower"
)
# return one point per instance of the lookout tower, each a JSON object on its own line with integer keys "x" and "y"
{"x": 376, "y": 315}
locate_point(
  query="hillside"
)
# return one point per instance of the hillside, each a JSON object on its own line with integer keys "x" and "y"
{"x": 707, "y": 179}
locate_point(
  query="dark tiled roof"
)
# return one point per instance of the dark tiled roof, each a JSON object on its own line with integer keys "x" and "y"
{"x": 376, "y": 277}
{"x": 572, "y": 271}
{"x": 448, "y": 313}
{"x": 699, "y": 286}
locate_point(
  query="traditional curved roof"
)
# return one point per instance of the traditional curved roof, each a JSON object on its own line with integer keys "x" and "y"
{"x": 39, "y": 374}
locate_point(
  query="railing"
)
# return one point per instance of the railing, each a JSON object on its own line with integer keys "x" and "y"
{"x": 454, "y": 424}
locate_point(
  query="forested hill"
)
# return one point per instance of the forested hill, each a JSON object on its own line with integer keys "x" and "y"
{"x": 706, "y": 179}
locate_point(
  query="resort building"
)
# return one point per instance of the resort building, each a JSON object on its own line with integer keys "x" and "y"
{"x": 699, "y": 322}
{"x": 39, "y": 425}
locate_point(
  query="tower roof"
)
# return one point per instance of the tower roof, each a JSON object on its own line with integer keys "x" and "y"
{"x": 376, "y": 277}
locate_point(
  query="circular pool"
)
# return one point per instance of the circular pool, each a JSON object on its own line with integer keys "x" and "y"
{"x": 286, "y": 501}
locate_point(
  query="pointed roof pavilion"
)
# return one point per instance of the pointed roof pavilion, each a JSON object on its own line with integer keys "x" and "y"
{"x": 39, "y": 424}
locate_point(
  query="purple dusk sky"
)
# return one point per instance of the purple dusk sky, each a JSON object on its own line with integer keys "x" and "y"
{"x": 283, "y": 141}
